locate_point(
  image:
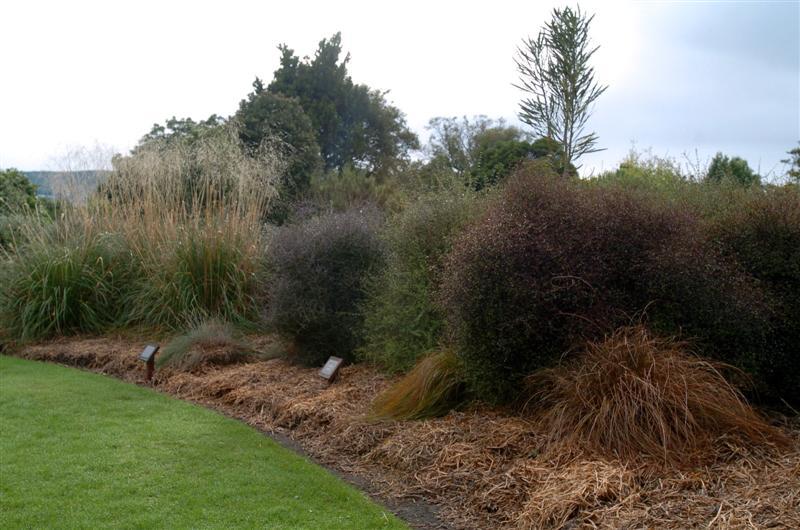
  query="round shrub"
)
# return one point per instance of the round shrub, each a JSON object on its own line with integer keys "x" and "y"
{"x": 317, "y": 272}
{"x": 401, "y": 320}
{"x": 555, "y": 261}
{"x": 210, "y": 343}
{"x": 763, "y": 235}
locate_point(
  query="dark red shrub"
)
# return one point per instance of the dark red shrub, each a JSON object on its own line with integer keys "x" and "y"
{"x": 762, "y": 234}
{"x": 317, "y": 278}
{"x": 557, "y": 261}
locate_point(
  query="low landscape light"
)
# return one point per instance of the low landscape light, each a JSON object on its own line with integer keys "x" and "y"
{"x": 331, "y": 368}
{"x": 148, "y": 355}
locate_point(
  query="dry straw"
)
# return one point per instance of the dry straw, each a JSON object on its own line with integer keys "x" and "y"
{"x": 482, "y": 467}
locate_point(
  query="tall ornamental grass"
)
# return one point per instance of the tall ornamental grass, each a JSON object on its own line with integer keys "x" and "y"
{"x": 61, "y": 283}
{"x": 172, "y": 236}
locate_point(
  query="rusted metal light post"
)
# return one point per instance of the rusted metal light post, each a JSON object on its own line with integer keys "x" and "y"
{"x": 148, "y": 355}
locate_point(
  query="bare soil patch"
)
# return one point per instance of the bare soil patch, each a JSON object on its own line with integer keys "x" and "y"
{"x": 480, "y": 467}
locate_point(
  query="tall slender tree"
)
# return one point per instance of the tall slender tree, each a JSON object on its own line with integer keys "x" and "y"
{"x": 556, "y": 73}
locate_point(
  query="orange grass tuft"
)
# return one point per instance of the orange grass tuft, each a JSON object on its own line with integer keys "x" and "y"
{"x": 634, "y": 394}
{"x": 432, "y": 388}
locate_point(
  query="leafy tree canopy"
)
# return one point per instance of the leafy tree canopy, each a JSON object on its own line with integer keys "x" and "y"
{"x": 483, "y": 151}
{"x": 497, "y": 160}
{"x": 731, "y": 170}
{"x": 354, "y": 123}
{"x": 16, "y": 192}
{"x": 279, "y": 120}
{"x": 455, "y": 143}
{"x": 180, "y": 130}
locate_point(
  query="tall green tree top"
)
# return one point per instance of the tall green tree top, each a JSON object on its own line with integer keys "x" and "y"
{"x": 268, "y": 117}
{"x": 456, "y": 143}
{"x": 354, "y": 123}
{"x": 794, "y": 165}
{"x": 736, "y": 170}
{"x": 556, "y": 74}
{"x": 180, "y": 130}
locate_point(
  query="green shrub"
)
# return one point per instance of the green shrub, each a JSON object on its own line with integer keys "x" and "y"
{"x": 17, "y": 194}
{"x": 213, "y": 342}
{"x": 401, "y": 320}
{"x": 762, "y": 233}
{"x": 647, "y": 172}
{"x": 496, "y": 161}
{"x": 318, "y": 270}
{"x": 53, "y": 286}
{"x": 554, "y": 262}
{"x": 352, "y": 188}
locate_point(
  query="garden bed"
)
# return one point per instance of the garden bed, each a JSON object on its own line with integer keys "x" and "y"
{"x": 481, "y": 467}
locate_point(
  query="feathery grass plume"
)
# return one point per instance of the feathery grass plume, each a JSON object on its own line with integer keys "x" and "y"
{"x": 432, "y": 388}
{"x": 192, "y": 215}
{"x": 185, "y": 219}
{"x": 212, "y": 342}
{"x": 635, "y": 395}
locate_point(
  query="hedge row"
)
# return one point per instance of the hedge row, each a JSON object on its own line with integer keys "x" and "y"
{"x": 513, "y": 280}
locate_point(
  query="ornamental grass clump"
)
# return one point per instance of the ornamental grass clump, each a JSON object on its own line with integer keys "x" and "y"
{"x": 63, "y": 282}
{"x": 193, "y": 217}
{"x": 172, "y": 235}
{"x": 432, "y": 388}
{"x": 211, "y": 343}
{"x": 634, "y": 395}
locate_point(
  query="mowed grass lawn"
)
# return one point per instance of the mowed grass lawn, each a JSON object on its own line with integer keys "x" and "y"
{"x": 79, "y": 450}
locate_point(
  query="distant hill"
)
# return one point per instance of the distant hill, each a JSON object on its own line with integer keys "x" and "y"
{"x": 54, "y": 183}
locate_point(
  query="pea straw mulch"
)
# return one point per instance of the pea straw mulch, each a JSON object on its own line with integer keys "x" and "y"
{"x": 483, "y": 468}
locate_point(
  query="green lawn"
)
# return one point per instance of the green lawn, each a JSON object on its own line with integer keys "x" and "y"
{"x": 79, "y": 450}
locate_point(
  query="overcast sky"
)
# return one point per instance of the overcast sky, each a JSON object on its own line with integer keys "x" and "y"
{"x": 682, "y": 76}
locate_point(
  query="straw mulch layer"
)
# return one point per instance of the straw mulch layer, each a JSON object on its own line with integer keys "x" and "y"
{"x": 483, "y": 468}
